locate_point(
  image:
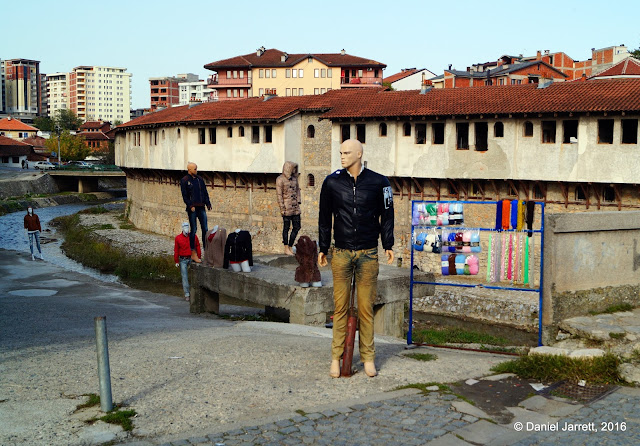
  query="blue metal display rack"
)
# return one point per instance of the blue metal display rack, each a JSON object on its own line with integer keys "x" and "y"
{"x": 464, "y": 285}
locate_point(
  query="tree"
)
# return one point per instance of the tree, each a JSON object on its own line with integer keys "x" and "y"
{"x": 117, "y": 122}
{"x": 67, "y": 119}
{"x": 636, "y": 53}
{"x": 44, "y": 123}
{"x": 111, "y": 156}
{"x": 72, "y": 148}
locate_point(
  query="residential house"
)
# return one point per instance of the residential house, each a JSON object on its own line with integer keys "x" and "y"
{"x": 275, "y": 71}
{"x": 626, "y": 68}
{"x": 13, "y": 153}
{"x": 16, "y": 129}
{"x": 94, "y": 134}
{"x": 408, "y": 79}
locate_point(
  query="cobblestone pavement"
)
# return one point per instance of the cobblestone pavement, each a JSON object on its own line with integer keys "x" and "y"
{"x": 418, "y": 419}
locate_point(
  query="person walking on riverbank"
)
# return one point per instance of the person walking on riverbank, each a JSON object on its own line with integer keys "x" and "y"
{"x": 32, "y": 230}
{"x": 195, "y": 197}
{"x": 182, "y": 256}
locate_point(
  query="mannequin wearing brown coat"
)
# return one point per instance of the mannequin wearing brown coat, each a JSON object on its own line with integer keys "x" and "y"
{"x": 289, "y": 199}
{"x": 307, "y": 256}
{"x": 214, "y": 247}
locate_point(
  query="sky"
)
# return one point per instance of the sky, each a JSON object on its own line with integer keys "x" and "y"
{"x": 164, "y": 38}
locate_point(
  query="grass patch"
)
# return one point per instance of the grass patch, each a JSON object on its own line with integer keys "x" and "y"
{"x": 614, "y": 309}
{"x": 82, "y": 246}
{"x": 616, "y": 335}
{"x": 102, "y": 226}
{"x": 456, "y": 336}
{"x": 301, "y": 412}
{"x": 94, "y": 400}
{"x": 121, "y": 417}
{"x": 423, "y": 387}
{"x": 127, "y": 226}
{"x": 422, "y": 356}
{"x": 94, "y": 210}
{"x": 551, "y": 368}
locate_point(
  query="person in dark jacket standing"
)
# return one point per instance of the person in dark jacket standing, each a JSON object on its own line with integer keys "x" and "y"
{"x": 32, "y": 229}
{"x": 195, "y": 196}
{"x": 360, "y": 202}
{"x": 288, "y": 192}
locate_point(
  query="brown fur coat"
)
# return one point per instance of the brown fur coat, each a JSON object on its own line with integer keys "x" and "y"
{"x": 307, "y": 257}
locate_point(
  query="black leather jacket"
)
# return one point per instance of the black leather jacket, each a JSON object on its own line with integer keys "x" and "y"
{"x": 361, "y": 211}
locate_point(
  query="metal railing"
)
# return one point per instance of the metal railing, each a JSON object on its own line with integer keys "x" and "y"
{"x": 225, "y": 81}
{"x": 360, "y": 81}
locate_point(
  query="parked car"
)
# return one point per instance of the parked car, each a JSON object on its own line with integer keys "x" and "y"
{"x": 80, "y": 164}
{"x": 42, "y": 165}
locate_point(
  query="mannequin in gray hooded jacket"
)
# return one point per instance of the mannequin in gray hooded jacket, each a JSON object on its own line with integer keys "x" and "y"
{"x": 289, "y": 200}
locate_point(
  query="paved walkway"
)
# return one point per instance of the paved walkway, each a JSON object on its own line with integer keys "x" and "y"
{"x": 408, "y": 417}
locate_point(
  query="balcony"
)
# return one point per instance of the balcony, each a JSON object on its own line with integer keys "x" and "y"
{"x": 348, "y": 82}
{"x": 224, "y": 82}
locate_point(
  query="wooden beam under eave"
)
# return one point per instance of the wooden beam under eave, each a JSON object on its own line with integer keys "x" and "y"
{"x": 419, "y": 187}
{"x": 618, "y": 196}
{"x": 565, "y": 193}
{"x": 398, "y": 187}
{"x": 477, "y": 183}
{"x": 524, "y": 185}
{"x": 596, "y": 193}
{"x": 495, "y": 189}
{"x": 436, "y": 187}
{"x": 455, "y": 187}
{"x": 585, "y": 191}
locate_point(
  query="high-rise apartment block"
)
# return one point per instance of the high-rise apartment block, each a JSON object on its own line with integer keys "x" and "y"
{"x": 100, "y": 93}
{"x": 197, "y": 91}
{"x": 165, "y": 91}
{"x": 21, "y": 88}
{"x": 57, "y": 92}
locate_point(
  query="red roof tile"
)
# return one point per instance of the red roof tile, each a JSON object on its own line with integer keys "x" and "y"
{"x": 15, "y": 124}
{"x": 400, "y": 75}
{"x": 627, "y": 67}
{"x": 93, "y": 136}
{"x": 560, "y": 97}
{"x": 272, "y": 58}
{"x": 11, "y": 147}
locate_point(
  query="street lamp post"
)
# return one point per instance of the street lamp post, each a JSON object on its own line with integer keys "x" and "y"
{"x": 59, "y": 159}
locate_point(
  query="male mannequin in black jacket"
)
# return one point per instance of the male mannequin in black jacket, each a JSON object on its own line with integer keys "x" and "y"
{"x": 357, "y": 224}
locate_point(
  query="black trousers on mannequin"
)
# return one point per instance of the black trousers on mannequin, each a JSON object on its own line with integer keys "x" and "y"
{"x": 290, "y": 220}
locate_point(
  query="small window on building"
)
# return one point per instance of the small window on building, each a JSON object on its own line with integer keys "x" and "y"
{"x": 382, "y": 129}
{"x": 629, "y": 131}
{"x": 498, "y": 130}
{"x": 421, "y": 133}
{"x": 229, "y": 132}
{"x": 482, "y": 136}
{"x": 294, "y": 72}
{"x": 462, "y": 136}
{"x": 273, "y": 73}
{"x": 311, "y": 180}
{"x": 406, "y": 129}
{"x": 287, "y": 72}
{"x": 316, "y": 91}
{"x": 361, "y": 133}
{"x": 260, "y": 74}
{"x": 328, "y": 72}
{"x": 162, "y": 133}
{"x": 548, "y": 132}
{"x": 311, "y": 132}
{"x": 437, "y": 129}
{"x": 267, "y": 73}
{"x": 301, "y": 91}
{"x": 605, "y": 131}
{"x": 212, "y": 135}
{"x": 608, "y": 194}
{"x": 268, "y": 133}
{"x": 178, "y": 133}
{"x": 316, "y": 72}
{"x": 579, "y": 194}
{"x": 241, "y": 132}
{"x": 323, "y": 72}
{"x": 537, "y": 192}
{"x": 528, "y": 129}
{"x": 345, "y": 131}
{"x": 288, "y": 92}
{"x": 255, "y": 134}
{"x": 570, "y": 131}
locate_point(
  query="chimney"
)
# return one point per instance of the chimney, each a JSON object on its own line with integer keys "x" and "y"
{"x": 450, "y": 67}
{"x": 343, "y": 52}
{"x": 538, "y": 55}
{"x": 427, "y": 85}
{"x": 544, "y": 83}
{"x": 546, "y": 52}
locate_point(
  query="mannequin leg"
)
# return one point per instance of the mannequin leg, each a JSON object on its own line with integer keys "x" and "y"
{"x": 245, "y": 267}
{"x": 236, "y": 267}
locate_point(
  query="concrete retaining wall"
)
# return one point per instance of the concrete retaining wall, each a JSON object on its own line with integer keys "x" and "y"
{"x": 38, "y": 184}
{"x": 591, "y": 261}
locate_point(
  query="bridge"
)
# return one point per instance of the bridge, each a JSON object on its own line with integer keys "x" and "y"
{"x": 85, "y": 180}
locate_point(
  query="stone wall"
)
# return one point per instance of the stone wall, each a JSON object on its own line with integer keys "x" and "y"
{"x": 39, "y": 184}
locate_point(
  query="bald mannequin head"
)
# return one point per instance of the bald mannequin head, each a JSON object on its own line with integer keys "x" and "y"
{"x": 351, "y": 156}
{"x": 192, "y": 169}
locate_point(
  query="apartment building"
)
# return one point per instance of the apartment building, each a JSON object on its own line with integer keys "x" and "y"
{"x": 21, "y": 88}
{"x": 516, "y": 70}
{"x": 165, "y": 91}
{"x": 100, "y": 93}
{"x": 197, "y": 91}
{"x": 277, "y": 72}
{"x": 57, "y": 92}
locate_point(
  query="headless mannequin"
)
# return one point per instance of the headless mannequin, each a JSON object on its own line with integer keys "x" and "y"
{"x": 244, "y": 265}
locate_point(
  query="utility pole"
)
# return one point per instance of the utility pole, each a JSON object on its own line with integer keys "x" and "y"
{"x": 59, "y": 158}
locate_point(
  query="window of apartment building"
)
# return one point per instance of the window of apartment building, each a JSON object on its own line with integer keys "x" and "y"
{"x": 294, "y": 92}
{"x": 255, "y": 134}
{"x": 608, "y": 194}
{"x": 287, "y": 72}
{"x": 498, "y": 130}
{"x": 501, "y": 81}
{"x": 228, "y": 92}
{"x": 273, "y": 73}
{"x": 235, "y": 92}
{"x": 268, "y": 133}
{"x": 462, "y": 136}
{"x": 261, "y": 92}
{"x": 228, "y": 74}
{"x": 294, "y": 73}
{"x": 345, "y": 131}
{"x": 301, "y": 91}
{"x": 328, "y": 72}
{"x": 212, "y": 135}
{"x": 288, "y": 92}
{"x": 437, "y": 130}
{"x": 629, "y": 131}
{"x": 406, "y": 129}
{"x": 528, "y": 129}
{"x": 322, "y": 90}
{"x": 361, "y": 133}
{"x": 311, "y": 132}
{"x": 570, "y": 131}
{"x": 235, "y": 74}
{"x": 241, "y": 132}
{"x": 229, "y": 132}
{"x": 360, "y": 74}
{"x": 421, "y": 133}
{"x": 241, "y": 93}
{"x": 241, "y": 73}
{"x": 605, "y": 131}
{"x": 579, "y": 194}
{"x": 300, "y": 72}
{"x": 261, "y": 73}
{"x": 323, "y": 72}
{"x": 482, "y": 135}
{"x": 316, "y": 72}
{"x": 548, "y": 132}
{"x": 382, "y": 129}
{"x": 267, "y": 73}
{"x": 316, "y": 91}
